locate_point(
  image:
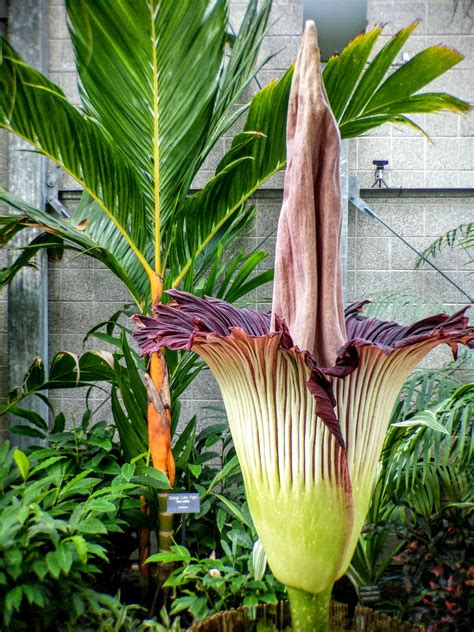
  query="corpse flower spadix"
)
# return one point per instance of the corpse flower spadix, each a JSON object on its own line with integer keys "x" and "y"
{"x": 308, "y": 390}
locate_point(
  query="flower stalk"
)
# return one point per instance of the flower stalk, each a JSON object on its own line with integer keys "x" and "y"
{"x": 309, "y": 612}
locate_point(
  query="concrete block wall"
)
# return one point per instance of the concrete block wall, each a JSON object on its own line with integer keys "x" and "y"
{"x": 82, "y": 293}
{"x": 379, "y": 261}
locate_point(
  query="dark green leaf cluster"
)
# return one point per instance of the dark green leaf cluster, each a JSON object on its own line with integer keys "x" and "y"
{"x": 438, "y": 569}
{"x": 70, "y": 512}
{"x": 56, "y": 520}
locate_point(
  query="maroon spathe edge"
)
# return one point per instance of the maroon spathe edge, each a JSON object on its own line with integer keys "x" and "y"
{"x": 188, "y": 319}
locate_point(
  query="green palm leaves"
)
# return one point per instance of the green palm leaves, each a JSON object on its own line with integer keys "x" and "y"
{"x": 362, "y": 97}
{"x": 158, "y": 85}
{"x": 34, "y": 108}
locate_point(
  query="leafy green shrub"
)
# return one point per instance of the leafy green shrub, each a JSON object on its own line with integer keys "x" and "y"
{"x": 53, "y": 532}
{"x": 203, "y": 587}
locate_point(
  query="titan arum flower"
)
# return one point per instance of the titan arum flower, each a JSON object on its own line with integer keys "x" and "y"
{"x": 307, "y": 390}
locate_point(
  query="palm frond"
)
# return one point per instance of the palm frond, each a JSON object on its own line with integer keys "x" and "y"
{"x": 154, "y": 90}
{"x": 429, "y": 387}
{"x": 361, "y": 96}
{"x": 256, "y": 154}
{"x": 461, "y": 237}
{"x": 402, "y": 307}
{"x": 35, "y": 109}
{"x": 239, "y": 71}
{"x": 88, "y": 232}
{"x": 66, "y": 370}
{"x": 418, "y": 452}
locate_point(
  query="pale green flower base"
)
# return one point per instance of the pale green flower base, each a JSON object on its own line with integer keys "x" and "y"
{"x": 309, "y": 613}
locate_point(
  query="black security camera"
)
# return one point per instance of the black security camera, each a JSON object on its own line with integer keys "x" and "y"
{"x": 379, "y": 180}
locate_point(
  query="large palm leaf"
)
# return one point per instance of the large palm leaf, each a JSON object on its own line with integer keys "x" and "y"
{"x": 159, "y": 98}
{"x": 34, "y": 108}
{"x": 154, "y": 90}
{"x": 362, "y": 96}
{"x": 88, "y": 232}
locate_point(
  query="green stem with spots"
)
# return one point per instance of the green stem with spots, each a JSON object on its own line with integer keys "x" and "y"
{"x": 309, "y": 612}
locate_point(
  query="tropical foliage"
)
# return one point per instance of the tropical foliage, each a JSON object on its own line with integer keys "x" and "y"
{"x": 461, "y": 238}
{"x": 57, "y": 522}
{"x": 155, "y": 164}
{"x": 362, "y": 96}
{"x": 425, "y": 478}
{"x": 153, "y": 106}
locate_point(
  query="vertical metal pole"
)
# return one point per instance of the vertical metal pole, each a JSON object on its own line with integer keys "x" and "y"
{"x": 28, "y": 292}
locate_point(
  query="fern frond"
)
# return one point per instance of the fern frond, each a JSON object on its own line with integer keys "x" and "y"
{"x": 402, "y": 307}
{"x": 461, "y": 238}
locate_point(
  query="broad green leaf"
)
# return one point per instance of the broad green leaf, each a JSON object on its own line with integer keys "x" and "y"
{"x": 64, "y": 556}
{"x": 22, "y": 462}
{"x": 229, "y": 468}
{"x": 14, "y": 598}
{"x": 92, "y": 526}
{"x": 149, "y": 476}
{"x": 128, "y": 470}
{"x": 177, "y": 554}
{"x": 40, "y": 568}
{"x": 27, "y": 431}
{"x": 80, "y": 545}
{"x": 233, "y": 509}
{"x": 250, "y": 600}
{"x": 426, "y": 418}
{"x": 34, "y": 594}
{"x": 52, "y": 562}
{"x": 31, "y": 416}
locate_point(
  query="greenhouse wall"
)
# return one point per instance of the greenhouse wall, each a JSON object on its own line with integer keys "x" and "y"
{"x": 431, "y": 189}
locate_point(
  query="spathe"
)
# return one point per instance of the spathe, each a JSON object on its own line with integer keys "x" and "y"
{"x": 307, "y": 291}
